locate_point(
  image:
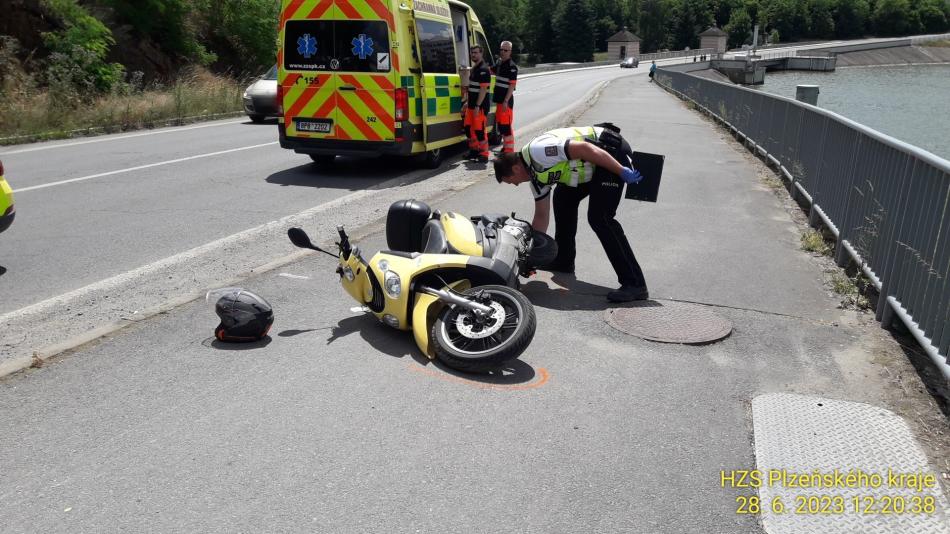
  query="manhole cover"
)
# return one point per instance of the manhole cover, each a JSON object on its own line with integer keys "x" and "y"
{"x": 669, "y": 322}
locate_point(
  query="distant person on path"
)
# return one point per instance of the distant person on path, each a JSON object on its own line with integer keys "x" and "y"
{"x": 582, "y": 161}
{"x": 652, "y": 70}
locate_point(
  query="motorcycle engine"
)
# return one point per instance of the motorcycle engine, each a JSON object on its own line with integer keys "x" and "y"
{"x": 520, "y": 230}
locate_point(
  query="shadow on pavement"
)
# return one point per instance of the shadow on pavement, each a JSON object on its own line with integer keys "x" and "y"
{"x": 3, "y": 270}
{"x": 512, "y": 373}
{"x": 565, "y": 293}
{"x": 220, "y": 345}
{"x": 400, "y": 344}
{"x": 292, "y": 333}
{"x": 381, "y": 337}
{"x": 932, "y": 378}
{"x": 361, "y": 173}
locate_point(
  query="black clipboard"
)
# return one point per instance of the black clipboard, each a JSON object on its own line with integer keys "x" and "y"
{"x": 650, "y": 167}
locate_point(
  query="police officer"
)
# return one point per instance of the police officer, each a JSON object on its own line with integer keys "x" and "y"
{"x": 476, "y": 113}
{"x": 582, "y": 161}
{"x": 506, "y": 77}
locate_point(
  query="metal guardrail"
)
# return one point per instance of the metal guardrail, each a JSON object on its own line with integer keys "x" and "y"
{"x": 678, "y": 53}
{"x": 643, "y": 57}
{"x": 886, "y": 202}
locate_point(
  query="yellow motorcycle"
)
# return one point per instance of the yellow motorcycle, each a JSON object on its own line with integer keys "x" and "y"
{"x": 452, "y": 280}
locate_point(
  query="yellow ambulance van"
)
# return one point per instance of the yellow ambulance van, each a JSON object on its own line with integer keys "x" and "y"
{"x": 373, "y": 77}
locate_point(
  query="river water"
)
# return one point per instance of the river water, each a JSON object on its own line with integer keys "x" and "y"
{"x": 910, "y": 103}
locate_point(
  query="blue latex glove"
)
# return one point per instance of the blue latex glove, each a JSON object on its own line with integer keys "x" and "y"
{"x": 631, "y": 176}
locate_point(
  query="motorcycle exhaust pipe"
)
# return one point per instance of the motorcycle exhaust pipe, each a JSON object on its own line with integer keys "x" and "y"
{"x": 455, "y": 298}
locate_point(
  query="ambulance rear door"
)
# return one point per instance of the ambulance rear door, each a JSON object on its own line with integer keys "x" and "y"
{"x": 441, "y": 85}
{"x": 307, "y": 89}
{"x": 348, "y": 88}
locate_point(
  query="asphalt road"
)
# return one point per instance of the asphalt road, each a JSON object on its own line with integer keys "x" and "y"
{"x": 89, "y": 210}
{"x": 336, "y": 424}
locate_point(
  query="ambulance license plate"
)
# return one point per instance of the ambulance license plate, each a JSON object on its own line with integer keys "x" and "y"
{"x": 318, "y": 125}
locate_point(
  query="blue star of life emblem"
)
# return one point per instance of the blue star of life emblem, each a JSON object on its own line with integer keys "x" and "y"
{"x": 307, "y": 46}
{"x": 362, "y": 46}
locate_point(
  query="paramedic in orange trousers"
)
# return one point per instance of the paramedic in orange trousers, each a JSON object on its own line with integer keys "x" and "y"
{"x": 506, "y": 77}
{"x": 476, "y": 113}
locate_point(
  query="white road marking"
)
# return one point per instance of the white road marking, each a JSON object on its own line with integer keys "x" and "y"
{"x": 294, "y": 276}
{"x": 116, "y": 138}
{"x": 140, "y": 167}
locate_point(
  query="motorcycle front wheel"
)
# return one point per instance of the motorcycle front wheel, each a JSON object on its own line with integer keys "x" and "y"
{"x": 463, "y": 341}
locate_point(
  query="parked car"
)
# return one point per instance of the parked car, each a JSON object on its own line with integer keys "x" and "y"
{"x": 260, "y": 98}
{"x": 7, "y": 211}
{"x": 630, "y": 63}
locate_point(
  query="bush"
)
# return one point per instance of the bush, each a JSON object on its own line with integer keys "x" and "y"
{"x": 170, "y": 23}
{"x": 248, "y": 30}
{"x": 78, "y": 51}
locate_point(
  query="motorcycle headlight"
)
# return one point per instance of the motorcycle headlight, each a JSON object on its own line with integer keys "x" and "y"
{"x": 393, "y": 284}
{"x": 348, "y": 273}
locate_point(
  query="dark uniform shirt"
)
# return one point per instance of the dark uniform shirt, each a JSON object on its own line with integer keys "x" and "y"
{"x": 480, "y": 74}
{"x": 506, "y": 74}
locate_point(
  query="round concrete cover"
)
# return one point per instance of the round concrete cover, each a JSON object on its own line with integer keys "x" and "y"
{"x": 669, "y": 322}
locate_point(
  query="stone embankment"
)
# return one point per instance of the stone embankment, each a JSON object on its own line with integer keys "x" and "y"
{"x": 904, "y": 55}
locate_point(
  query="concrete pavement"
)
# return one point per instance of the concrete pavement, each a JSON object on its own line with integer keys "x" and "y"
{"x": 337, "y": 425}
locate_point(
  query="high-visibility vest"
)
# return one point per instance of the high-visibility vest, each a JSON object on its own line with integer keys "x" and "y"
{"x": 571, "y": 172}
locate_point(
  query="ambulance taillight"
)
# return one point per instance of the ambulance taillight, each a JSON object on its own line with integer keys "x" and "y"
{"x": 280, "y": 99}
{"x": 402, "y": 105}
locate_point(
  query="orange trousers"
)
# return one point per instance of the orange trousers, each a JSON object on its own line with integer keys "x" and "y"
{"x": 475, "y": 124}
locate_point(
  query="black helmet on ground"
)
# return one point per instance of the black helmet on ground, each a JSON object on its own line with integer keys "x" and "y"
{"x": 245, "y": 317}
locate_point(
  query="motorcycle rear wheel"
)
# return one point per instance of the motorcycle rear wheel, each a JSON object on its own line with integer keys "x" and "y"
{"x": 462, "y": 343}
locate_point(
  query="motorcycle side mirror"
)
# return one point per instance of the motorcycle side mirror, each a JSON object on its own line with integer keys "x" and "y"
{"x": 300, "y": 238}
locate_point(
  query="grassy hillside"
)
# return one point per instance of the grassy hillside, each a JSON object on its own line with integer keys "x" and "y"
{"x": 124, "y": 64}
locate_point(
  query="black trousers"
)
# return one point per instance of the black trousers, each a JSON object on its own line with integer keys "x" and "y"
{"x": 605, "y": 191}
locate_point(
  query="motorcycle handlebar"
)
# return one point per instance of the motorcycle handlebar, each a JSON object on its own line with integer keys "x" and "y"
{"x": 345, "y": 247}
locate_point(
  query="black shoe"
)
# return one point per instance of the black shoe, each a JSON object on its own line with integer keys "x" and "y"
{"x": 472, "y": 155}
{"x": 481, "y": 158}
{"x": 560, "y": 267}
{"x": 628, "y": 293}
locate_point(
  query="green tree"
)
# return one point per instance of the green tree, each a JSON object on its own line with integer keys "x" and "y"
{"x": 503, "y": 20}
{"x": 788, "y": 17}
{"x": 653, "y": 25}
{"x": 894, "y": 17}
{"x": 821, "y": 21}
{"x": 685, "y": 28}
{"x": 932, "y": 17}
{"x": 722, "y": 10}
{"x": 167, "y": 22}
{"x": 739, "y": 27}
{"x": 574, "y": 28}
{"x": 604, "y": 28}
{"x": 539, "y": 31}
{"x": 241, "y": 34}
{"x": 851, "y": 18}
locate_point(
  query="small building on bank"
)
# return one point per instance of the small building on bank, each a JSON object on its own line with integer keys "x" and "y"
{"x": 623, "y": 45}
{"x": 714, "y": 38}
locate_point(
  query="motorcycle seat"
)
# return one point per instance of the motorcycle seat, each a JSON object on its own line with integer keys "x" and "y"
{"x": 433, "y": 235}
